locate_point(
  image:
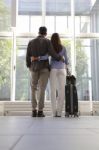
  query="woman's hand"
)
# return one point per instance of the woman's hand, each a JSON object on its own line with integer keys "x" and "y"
{"x": 62, "y": 59}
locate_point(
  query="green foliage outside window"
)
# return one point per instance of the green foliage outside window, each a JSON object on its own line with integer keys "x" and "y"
{"x": 5, "y": 61}
{"x": 81, "y": 59}
{"x": 4, "y": 17}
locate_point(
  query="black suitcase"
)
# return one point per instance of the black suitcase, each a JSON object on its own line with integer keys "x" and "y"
{"x": 71, "y": 97}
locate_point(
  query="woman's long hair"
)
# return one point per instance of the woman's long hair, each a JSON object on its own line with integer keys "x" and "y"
{"x": 56, "y": 42}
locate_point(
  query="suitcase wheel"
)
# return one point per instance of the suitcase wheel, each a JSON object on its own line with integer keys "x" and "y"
{"x": 76, "y": 114}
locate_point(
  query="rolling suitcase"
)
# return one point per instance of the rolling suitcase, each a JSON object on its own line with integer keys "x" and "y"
{"x": 71, "y": 97}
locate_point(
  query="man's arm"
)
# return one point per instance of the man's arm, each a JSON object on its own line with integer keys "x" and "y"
{"x": 28, "y": 56}
{"x": 53, "y": 53}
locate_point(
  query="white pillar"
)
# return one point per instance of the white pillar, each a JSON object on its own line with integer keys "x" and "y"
{"x": 14, "y": 13}
{"x": 43, "y": 12}
{"x": 73, "y": 53}
{"x": 13, "y": 66}
{"x": 55, "y": 23}
{"x": 90, "y": 97}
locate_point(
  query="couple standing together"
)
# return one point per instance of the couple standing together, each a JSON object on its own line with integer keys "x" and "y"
{"x": 37, "y": 60}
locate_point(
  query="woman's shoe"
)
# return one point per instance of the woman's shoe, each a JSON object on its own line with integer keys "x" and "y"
{"x": 58, "y": 116}
{"x": 55, "y": 114}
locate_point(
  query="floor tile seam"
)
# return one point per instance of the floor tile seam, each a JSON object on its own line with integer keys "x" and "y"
{"x": 83, "y": 128}
{"x": 47, "y": 134}
{"x": 95, "y": 132}
{"x": 30, "y": 125}
{"x": 13, "y": 146}
{"x": 10, "y": 135}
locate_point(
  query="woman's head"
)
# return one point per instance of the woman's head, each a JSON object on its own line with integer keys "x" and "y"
{"x": 56, "y": 42}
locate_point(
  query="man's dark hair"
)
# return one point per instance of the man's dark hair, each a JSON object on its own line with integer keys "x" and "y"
{"x": 42, "y": 30}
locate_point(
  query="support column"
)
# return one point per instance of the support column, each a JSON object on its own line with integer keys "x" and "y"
{"x": 73, "y": 52}
{"x": 43, "y": 12}
{"x": 14, "y": 13}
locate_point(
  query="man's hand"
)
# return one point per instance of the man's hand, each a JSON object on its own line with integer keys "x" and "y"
{"x": 34, "y": 58}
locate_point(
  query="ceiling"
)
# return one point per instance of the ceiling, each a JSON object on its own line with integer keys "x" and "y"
{"x": 56, "y": 7}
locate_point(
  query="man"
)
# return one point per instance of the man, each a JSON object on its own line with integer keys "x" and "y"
{"x": 38, "y": 51}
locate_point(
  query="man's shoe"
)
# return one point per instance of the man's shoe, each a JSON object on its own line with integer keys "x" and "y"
{"x": 34, "y": 113}
{"x": 55, "y": 114}
{"x": 40, "y": 114}
{"x": 58, "y": 116}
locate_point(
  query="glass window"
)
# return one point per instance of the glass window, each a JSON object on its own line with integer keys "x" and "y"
{"x": 70, "y": 25}
{"x": 5, "y": 15}
{"x": 85, "y": 24}
{"x": 22, "y": 24}
{"x": 5, "y": 68}
{"x": 22, "y": 73}
{"x": 61, "y": 24}
{"x": 83, "y": 69}
{"x": 36, "y": 22}
{"x": 50, "y": 24}
{"x": 77, "y": 24}
{"x": 95, "y": 68}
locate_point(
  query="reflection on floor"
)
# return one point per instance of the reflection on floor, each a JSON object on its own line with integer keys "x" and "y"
{"x": 27, "y": 133}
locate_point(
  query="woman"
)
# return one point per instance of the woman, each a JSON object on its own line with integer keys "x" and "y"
{"x": 58, "y": 76}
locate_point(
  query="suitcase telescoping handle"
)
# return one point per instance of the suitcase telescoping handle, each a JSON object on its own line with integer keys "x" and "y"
{"x": 68, "y": 75}
{"x": 68, "y": 72}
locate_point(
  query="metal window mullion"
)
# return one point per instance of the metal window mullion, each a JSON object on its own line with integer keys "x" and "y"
{"x": 90, "y": 85}
{"x": 67, "y": 22}
{"x": 11, "y": 76}
{"x": 55, "y": 23}
{"x": 73, "y": 52}
{"x": 14, "y": 14}
{"x": 96, "y": 70}
{"x": 43, "y": 12}
{"x": 80, "y": 22}
{"x": 13, "y": 65}
{"x": 29, "y": 23}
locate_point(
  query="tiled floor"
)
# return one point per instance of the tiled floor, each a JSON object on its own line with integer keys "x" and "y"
{"x": 26, "y": 133}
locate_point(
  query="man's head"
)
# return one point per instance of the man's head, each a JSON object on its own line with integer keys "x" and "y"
{"x": 43, "y": 30}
